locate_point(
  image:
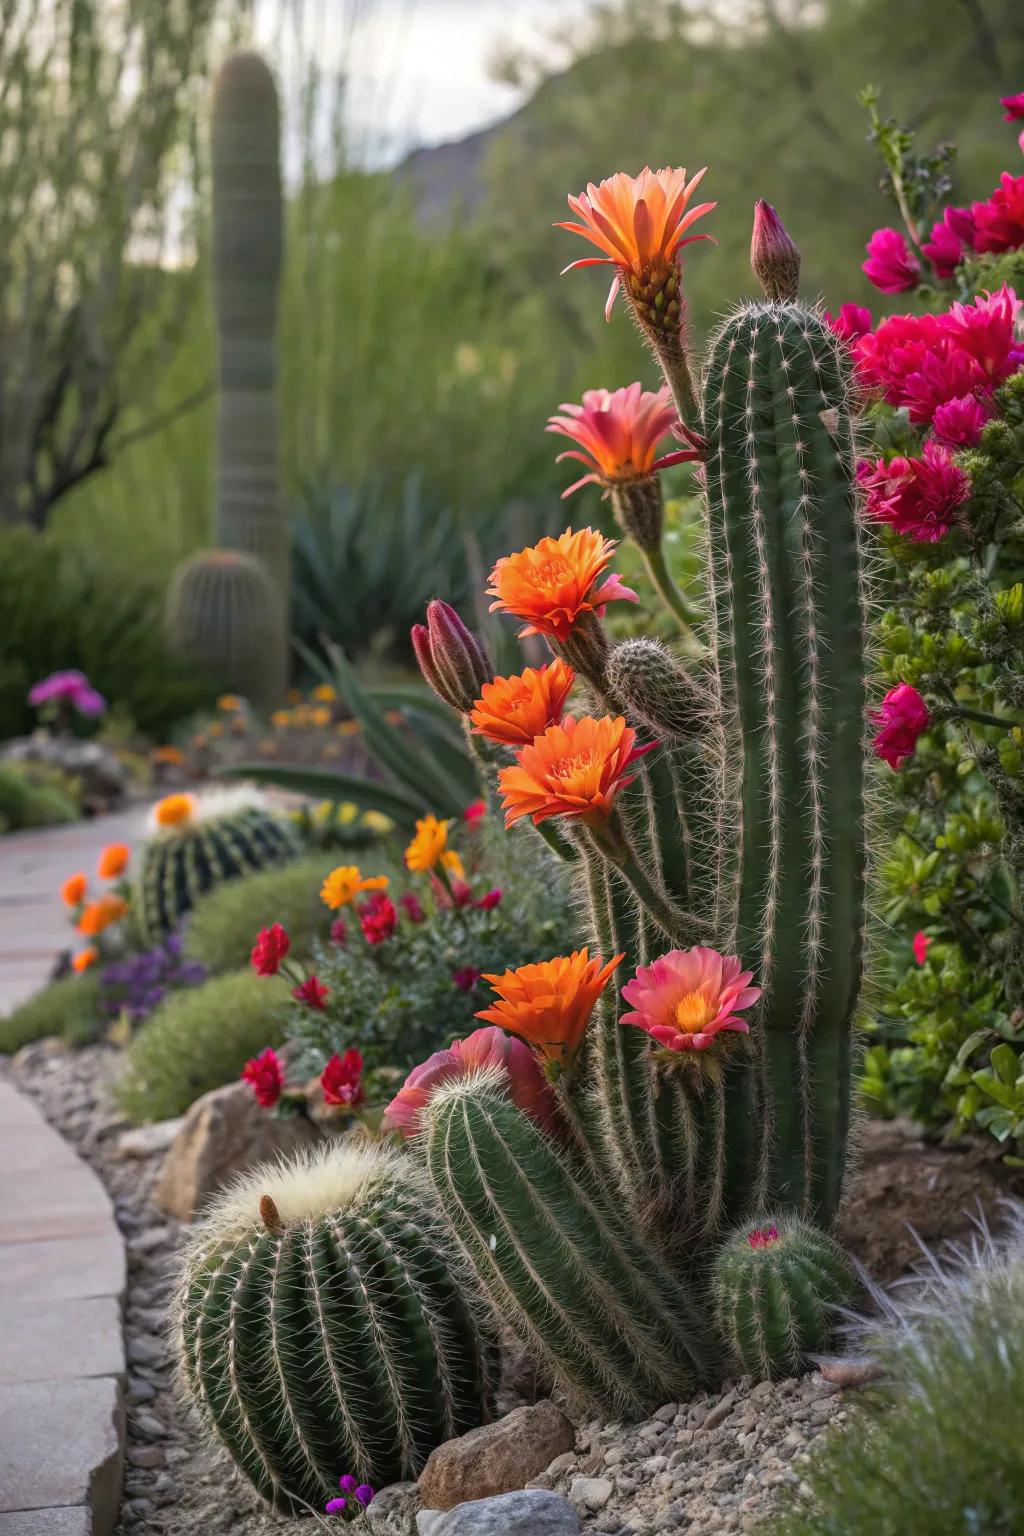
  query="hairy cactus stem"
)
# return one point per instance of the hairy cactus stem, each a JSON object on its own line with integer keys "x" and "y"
{"x": 609, "y": 839}
{"x": 656, "y": 301}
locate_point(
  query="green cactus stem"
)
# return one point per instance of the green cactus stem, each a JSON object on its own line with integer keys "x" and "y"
{"x": 326, "y": 1327}
{"x": 224, "y": 610}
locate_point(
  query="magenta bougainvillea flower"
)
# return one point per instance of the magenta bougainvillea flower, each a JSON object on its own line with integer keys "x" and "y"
{"x": 918, "y": 497}
{"x": 999, "y": 221}
{"x": 687, "y": 997}
{"x": 891, "y": 265}
{"x": 265, "y": 1075}
{"x": 900, "y": 719}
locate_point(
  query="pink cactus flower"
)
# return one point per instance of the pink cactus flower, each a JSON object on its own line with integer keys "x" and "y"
{"x": 853, "y": 320}
{"x": 943, "y": 249}
{"x": 71, "y": 687}
{"x": 985, "y": 331}
{"x": 920, "y": 947}
{"x": 484, "y": 1048}
{"x": 763, "y": 1237}
{"x": 687, "y": 997}
{"x": 891, "y": 265}
{"x": 959, "y": 423}
{"x": 919, "y": 498}
{"x": 617, "y": 433}
{"x": 901, "y": 718}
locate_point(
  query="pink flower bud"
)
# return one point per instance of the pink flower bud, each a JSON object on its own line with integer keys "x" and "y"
{"x": 773, "y": 256}
{"x": 451, "y": 658}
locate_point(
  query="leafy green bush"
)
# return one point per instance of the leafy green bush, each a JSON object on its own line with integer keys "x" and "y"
{"x": 34, "y": 795}
{"x": 198, "y": 1040}
{"x": 69, "y": 1007}
{"x": 225, "y": 922}
{"x": 937, "y": 1450}
{"x": 61, "y": 608}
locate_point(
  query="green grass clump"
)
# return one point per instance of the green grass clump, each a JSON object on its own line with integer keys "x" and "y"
{"x": 197, "y": 1040}
{"x": 34, "y": 796}
{"x": 68, "y": 1007}
{"x": 225, "y": 922}
{"x": 938, "y": 1450}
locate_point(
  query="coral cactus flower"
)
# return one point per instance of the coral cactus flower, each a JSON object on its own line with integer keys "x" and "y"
{"x": 312, "y": 992}
{"x": 514, "y": 710}
{"x": 271, "y": 947}
{"x": 574, "y": 769}
{"x": 99, "y": 915}
{"x": 113, "y": 861}
{"x": 84, "y": 958}
{"x": 342, "y": 1079}
{"x": 73, "y": 890}
{"x": 556, "y": 582}
{"x": 549, "y": 1004}
{"x": 430, "y": 847}
{"x": 345, "y": 883}
{"x": 484, "y": 1048}
{"x": 900, "y": 719}
{"x": 619, "y": 432}
{"x": 687, "y": 997}
{"x": 265, "y": 1075}
{"x": 174, "y": 810}
{"x": 640, "y": 223}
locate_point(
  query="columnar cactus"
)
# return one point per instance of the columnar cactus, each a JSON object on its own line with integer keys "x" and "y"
{"x": 224, "y": 610}
{"x": 197, "y": 842}
{"x": 325, "y": 1327}
{"x": 777, "y": 1284}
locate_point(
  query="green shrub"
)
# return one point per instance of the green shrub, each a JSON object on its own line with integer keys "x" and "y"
{"x": 225, "y": 922}
{"x": 198, "y": 1040}
{"x": 59, "y": 608}
{"x": 69, "y": 1007}
{"x": 34, "y": 796}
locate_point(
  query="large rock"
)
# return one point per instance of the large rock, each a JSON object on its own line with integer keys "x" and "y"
{"x": 497, "y": 1458}
{"x": 531, "y": 1512}
{"x": 392, "y": 1512}
{"x": 224, "y": 1133}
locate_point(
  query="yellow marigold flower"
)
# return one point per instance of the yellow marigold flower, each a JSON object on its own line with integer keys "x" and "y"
{"x": 280, "y": 718}
{"x": 345, "y": 883}
{"x": 85, "y": 957}
{"x": 320, "y": 716}
{"x": 325, "y": 693}
{"x": 453, "y": 864}
{"x": 230, "y": 703}
{"x": 429, "y": 845}
{"x": 376, "y": 821}
{"x": 173, "y": 810}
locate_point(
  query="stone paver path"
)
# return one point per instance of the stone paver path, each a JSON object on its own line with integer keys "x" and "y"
{"x": 33, "y": 923}
{"x": 62, "y": 1364}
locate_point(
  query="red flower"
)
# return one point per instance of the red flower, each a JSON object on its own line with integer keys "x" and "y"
{"x": 483, "y": 1049}
{"x": 467, "y": 978}
{"x": 919, "y": 498}
{"x": 999, "y": 222}
{"x": 853, "y": 320}
{"x": 313, "y": 993}
{"x": 489, "y": 901}
{"x": 901, "y": 719}
{"x": 763, "y": 1237}
{"x": 341, "y": 1079}
{"x": 265, "y": 1073}
{"x": 891, "y": 265}
{"x": 410, "y": 903}
{"x": 378, "y": 917}
{"x": 920, "y": 947}
{"x": 959, "y": 423}
{"x": 339, "y": 931}
{"x": 272, "y": 944}
{"x": 943, "y": 249}
{"x": 473, "y": 812}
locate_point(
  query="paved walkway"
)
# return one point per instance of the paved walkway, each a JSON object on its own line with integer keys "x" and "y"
{"x": 33, "y": 922}
{"x": 62, "y": 1364}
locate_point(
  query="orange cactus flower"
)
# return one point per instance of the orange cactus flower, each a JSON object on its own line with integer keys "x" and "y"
{"x": 619, "y": 432}
{"x": 99, "y": 915}
{"x": 174, "y": 810}
{"x": 575, "y": 769}
{"x": 554, "y": 583}
{"x": 73, "y": 890}
{"x": 345, "y": 883}
{"x": 113, "y": 861}
{"x": 430, "y": 847}
{"x": 549, "y": 1004}
{"x": 84, "y": 958}
{"x": 514, "y": 710}
{"x": 640, "y": 223}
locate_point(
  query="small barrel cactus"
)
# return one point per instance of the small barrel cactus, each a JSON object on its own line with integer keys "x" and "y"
{"x": 324, "y": 1326}
{"x": 224, "y": 610}
{"x": 198, "y": 841}
{"x": 777, "y": 1284}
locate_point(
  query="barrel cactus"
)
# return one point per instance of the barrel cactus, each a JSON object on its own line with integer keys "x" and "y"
{"x": 195, "y": 842}
{"x": 224, "y": 610}
{"x": 325, "y": 1327}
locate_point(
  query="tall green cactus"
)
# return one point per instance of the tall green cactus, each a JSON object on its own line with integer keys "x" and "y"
{"x": 325, "y": 1327}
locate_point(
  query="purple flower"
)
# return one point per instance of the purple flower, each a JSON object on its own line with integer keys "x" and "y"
{"x": 361, "y": 1492}
{"x": 335, "y": 1506}
{"x": 72, "y": 686}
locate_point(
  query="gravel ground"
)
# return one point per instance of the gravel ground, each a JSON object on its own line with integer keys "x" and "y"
{"x": 706, "y": 1466}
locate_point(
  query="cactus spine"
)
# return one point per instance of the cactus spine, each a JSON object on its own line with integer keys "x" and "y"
{"x": 324, "y": 1328}
{"x": 223, "y": 609}
{"x": 777, "y": 1283}
{"x": 609, "y": 1320}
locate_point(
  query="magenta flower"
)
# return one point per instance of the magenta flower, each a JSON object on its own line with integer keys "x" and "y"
{"x": 70, "y": 687}
{"x": 959, "y": 423}
{"x": 271, "y": 947}
{"x": 1014, "y": 107}
{"x": 763, "y": 1237}
{"x": 466, "y": 978}
{"x": 891, "y": 265}
{"x": 853, "y": 320}
{"x": 361, "y": 1492}
{"x": 999, "y": 222}
{"x": 901, "y": 718}
{"x": 919, "y": 498}
{"x": 920, "y": 947}
{"x": 339, "y": 931}
{"x": 484, "y": 1048}
{"x": 689, "y": 996}
{"x": 943, "y": 249}
{"x": 489, "y": 900}
{"x": 985, "y": 331}
{"x": 474, "y": 811}
{"x": 617, "y": 433}
{"x": 313, "y": 993}
{"x": 265, "y": 1075}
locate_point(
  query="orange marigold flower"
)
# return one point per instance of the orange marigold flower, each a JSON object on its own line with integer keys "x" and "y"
{"x": 99, "y": 915}
{"x": 229, "y": 703}
{"x": 574, "y": 769}
{"x": 171, "y": 755}
{"x": 430, "y": 847}
{"x": 619, "y": 432}
{"x": 549, "y": 1004}
{"x": 73, "y": 890}
{"x": 345, "y": 883}
{"x": 514, "y": 710}
{"x": 325, "y": 693}
{"x": 553, "y": 583}
{"x": 113, "y": 861}
{"x": 85, "y": 957}
{"x": 640, "y": 223}
{"x": 321, "y": 715}
{"x": 173, "y": 810}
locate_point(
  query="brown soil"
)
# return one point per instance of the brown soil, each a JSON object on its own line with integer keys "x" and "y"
{"x": 937, "y": 1188}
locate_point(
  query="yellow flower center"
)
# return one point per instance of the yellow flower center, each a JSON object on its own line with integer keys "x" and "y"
{"x": 692, "y": 1012}
{"x": 554, "y": 573}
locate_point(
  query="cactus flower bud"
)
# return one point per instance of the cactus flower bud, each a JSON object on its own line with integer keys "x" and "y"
{"x": 773, "y": 256}
{"x": 451, "y": 658}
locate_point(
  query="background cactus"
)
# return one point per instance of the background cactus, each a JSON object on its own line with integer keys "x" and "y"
{"x": 220, "y": 837}
{"x": 325, "y": 1329}
{"x": 224, "y": 610}
{"x": 777, "y": 1284}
